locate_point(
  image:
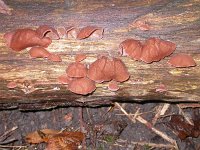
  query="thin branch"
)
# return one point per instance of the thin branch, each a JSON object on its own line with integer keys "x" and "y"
{"x": 160, "y": 112}
{"x": 185, "y": 115}
{"x": 7, "y": 133}
{"x": 149, "y": 125}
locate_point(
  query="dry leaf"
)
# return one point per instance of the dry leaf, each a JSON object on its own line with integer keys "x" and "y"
{"x": 56, "y": 140}
{"x": 36, "y": 137}
{"x": 65, "y": 141}
{"x": 182, "y": 128}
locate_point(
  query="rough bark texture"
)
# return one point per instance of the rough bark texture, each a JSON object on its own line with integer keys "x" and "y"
{"x": 177, "y": 21}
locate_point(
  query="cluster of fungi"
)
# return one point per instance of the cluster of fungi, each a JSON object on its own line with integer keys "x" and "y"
{"x": 82, "y": 78}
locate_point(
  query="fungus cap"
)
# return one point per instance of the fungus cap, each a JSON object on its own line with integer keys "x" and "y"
{"x": 155, "y": 49}
{"x": 101, "y": 70}
{"x": 132, "y": 48}
{"x": 47, "y": 31}
{"x": 93, "y": 31}
{"x": 55, "y": 58}
{"x": 113, "y": 86}
{"x": 23, "y": 38}
{"x": 80, "y": 57}
{"x": 82, "y": 86}
{"x": 64, "y": 79}
{"x": 121, "y": 72}
{"x": 182, "y": 60}
{"x": 39, "y": 52}
{"x": 95, "y": 70}
{"x": 76, "y": 70}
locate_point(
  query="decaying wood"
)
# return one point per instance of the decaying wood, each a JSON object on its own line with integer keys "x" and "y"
{"x": 176, "y": 21}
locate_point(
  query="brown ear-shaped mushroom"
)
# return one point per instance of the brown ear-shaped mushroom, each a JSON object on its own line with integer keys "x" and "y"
{"x": 182, "y": 60}
{"x": 113, "y": 86}
{"x": 166, "y": 47}
{"x": 80, "y": 57}
{"x": 141, "y": 24}
{"x": 108, "y": 70}
{"x": 12, "y": 85}
{"x": 39, "y": 52}
{"x": 23, "y": 38}
{"x": 72, "y": 32}
{"x": 132, "y": 48}
{"x": 47, "y": 31}
{"x": 82, "y": 86}
{"x": 64, "y": 79}
{"x": 76, "y": 70}
{"x": 90, "y": 31}
{"x": 155, "y": 49}
{"x": 55, "y": 57}
{"x": 95, "y": 70}
{"x": 121, "y": 72}
{"x": 101, "y": 70}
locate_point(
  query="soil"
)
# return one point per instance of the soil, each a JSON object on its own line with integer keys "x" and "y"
{"x": 104, "y": 127}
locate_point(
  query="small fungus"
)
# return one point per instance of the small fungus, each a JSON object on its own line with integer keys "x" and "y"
{"x": 155, "y": 49}
{"x": 82, "y": 86}
{"x": 72, "y": 32}
{"x": 12, "y": 85}
{"x": 39, "y": 52}
{"x": 47, "y": 31}
{"x": 182, "y": 60}
{"x": 113, "y": 86}
{"x": 96, "y": 70}
{"x": 80, "y": 57}
{"x": 141, "y": 24}
{"x": 106, "y": 69}
{"x": 90, "y": 31}
{"x": 109, "y": 69}
{"x": 76, "y": 70}
{"x": 64, "y": 79}
{"x": 121, "y": 72}
{"x": 55, "y": 58}
{"x": 132, "y": 48}
{"x": 23, "y": 38}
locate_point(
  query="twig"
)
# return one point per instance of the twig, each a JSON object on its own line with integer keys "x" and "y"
{"x": 160, "y": 112}
{"x": 7, "y": 146}
{"x": 189, "y": 105}
{"x": 184, "y": 115}
{"x": 82, "y": 126}
{"x": 8, "y": 141}
{"x": 149, "y": 125}
{"x": 6, "y": 134}
{"x": 141, "y": 113}
{"x": 149, "y": 144}
{"x": 135, "y": 115}
{"x": 121, "y": 143}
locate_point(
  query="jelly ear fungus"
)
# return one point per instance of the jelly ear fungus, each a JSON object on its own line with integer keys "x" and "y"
{"x": 23, "y": 38}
